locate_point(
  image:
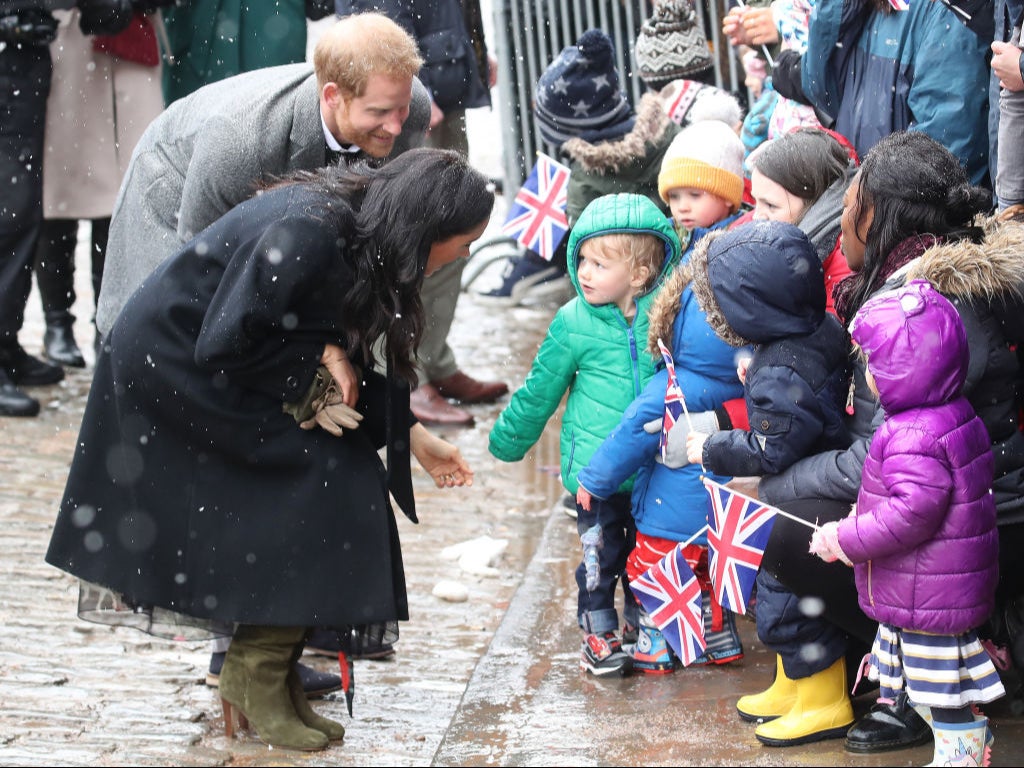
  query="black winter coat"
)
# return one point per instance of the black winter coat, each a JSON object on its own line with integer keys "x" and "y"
{"x": 190, "y": 488}
{"x": 984, "y": 282}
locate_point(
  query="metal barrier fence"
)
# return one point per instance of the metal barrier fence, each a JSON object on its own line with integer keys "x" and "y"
{"x": 530, "y": 34}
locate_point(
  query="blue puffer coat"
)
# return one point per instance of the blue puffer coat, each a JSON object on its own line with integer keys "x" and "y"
{"x": 669, "y": 503}
{"x": 919, "y": 69}
{"x": 763, "y": 284}
{"x": 594, "y": 352}
{"x": 923, "y": 540}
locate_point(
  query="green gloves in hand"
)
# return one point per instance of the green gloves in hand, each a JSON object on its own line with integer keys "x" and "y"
{"x": 323, "y": 406}
{"x": 675, "y": 450}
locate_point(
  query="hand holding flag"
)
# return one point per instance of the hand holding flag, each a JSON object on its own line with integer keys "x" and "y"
{"x": 675, "y": 403}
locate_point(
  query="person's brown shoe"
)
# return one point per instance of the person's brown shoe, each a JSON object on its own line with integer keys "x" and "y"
{"x": 466, "y": 389}
{"x": 430, "y": 408}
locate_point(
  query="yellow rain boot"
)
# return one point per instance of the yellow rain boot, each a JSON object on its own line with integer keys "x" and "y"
{"x": 774, "y": 702}
{"x": 822, "y": 711}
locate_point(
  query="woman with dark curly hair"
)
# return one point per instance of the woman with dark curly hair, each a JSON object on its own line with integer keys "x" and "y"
{"x": 228, "y": 456}
{"x": 910, "y": 199}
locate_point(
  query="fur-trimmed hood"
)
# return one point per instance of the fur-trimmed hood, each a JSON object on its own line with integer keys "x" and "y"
{"x": 614, "y": 155}
{"x": 991, "y": 270}
{"x": 665, "y": 308}
{"x": 759, "y": 283}
{"x": 706, "y": 296}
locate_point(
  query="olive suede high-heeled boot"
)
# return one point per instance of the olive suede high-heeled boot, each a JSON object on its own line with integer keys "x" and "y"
{"x": 332, "y": 729}
{"x": 254, "y": 687}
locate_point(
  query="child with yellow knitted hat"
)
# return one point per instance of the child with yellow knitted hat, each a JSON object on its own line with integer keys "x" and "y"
{"x": 701, "y": 179}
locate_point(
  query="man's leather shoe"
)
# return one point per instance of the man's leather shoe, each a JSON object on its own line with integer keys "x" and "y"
{"x": 27, "y": 371}
{"x": 889, "y": 725}
{"x": 466, "y": 389}
{"x": 430, "y": 408}
{"x": 14, "y": 402}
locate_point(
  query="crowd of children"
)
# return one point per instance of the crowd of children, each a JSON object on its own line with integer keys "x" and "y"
{"x": 834, "y": 330}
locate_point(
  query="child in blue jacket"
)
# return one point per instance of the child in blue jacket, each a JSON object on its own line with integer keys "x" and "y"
{"x": 620, "y": 251}
{"x": 670, "y": 505}
{"x": 701, "y": 179}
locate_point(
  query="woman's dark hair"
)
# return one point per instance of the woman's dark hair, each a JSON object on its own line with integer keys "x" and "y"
{"x": 805, "y": 163}
{"x": 916, "y": 187}
{"x": 396, "y": 213}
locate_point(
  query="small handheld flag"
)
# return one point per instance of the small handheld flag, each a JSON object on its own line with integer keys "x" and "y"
{"x": 738, "y": 531}
{"x": 536, "y": 218}
{"x": 675, "y": 403}
{"x": 900, "y": 5}
{"x": 670, "y": 593}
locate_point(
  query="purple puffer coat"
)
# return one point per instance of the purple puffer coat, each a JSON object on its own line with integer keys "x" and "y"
{"x": 923, "y": 540}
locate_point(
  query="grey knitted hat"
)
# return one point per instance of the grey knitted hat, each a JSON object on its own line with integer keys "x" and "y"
{"x": 671, "y": 45}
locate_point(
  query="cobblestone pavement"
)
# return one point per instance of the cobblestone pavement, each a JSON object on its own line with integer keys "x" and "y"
{"x": 75, "y": 693}
{"x": 490, "y": 681}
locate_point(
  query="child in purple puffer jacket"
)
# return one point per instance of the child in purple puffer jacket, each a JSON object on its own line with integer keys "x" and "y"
{"x": 922, "y": 538}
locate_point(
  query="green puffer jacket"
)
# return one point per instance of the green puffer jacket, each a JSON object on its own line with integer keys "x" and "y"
{"x": 591, "y": 351}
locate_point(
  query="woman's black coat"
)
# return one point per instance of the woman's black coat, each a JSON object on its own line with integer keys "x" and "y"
{"x": 190, "y": 488}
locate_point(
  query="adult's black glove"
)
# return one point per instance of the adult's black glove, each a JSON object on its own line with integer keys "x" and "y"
{"x": 104, "y": 17}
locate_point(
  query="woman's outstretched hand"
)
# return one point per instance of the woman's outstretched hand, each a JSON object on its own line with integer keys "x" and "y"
{"x": 442, "y": 460}
{"x": 344, "y": 373}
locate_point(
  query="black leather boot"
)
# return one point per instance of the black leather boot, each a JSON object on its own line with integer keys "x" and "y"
{"x": 59, "y": 340}
{"x": 14, "y": 402}
{"x": 25, "y": 370}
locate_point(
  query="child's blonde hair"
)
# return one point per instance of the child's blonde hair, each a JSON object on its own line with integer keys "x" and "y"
{"x": 639, "y": 250}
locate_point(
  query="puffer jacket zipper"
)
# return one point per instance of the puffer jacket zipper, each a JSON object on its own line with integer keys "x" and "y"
{"x": 871, "y": 591}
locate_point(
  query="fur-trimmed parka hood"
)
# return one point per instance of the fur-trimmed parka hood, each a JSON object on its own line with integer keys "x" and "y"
{"x": 664, "y": 309}
{"x": 614, "y": 155}
{"x": 966, "y": 270}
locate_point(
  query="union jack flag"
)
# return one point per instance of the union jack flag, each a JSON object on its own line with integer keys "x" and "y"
{"x": 900, "y": 5}
{"x": 674, "y": 401}
{"x": 537, "y": 215}
{"x": 670, "y": 594}
{"x": 738, "y": 530}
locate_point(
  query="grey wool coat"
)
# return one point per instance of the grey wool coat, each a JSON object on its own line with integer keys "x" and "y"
{"x": 190, "y": 489}
{"x": 207, "y": 153}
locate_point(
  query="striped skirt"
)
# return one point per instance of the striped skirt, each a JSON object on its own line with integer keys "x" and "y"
{"x": 945, "y": 671}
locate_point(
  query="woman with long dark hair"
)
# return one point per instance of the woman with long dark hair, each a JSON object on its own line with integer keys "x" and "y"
{"x": 910, "y": 198}
{"x": 204, "y": 496}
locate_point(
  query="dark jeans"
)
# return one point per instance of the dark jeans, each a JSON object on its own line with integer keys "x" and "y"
{"x": 25, "y": 73}
{"x": 596, "y": 609}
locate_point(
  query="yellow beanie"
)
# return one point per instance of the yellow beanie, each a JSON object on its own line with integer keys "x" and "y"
{"x": 705, "y": 155}
{"x": 687, "y": 172}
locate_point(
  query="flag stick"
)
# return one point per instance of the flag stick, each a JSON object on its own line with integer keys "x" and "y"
{"x": 686, "y": 413}
{"x": 777, "y": 511}
{"x": 693, "y": 538}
